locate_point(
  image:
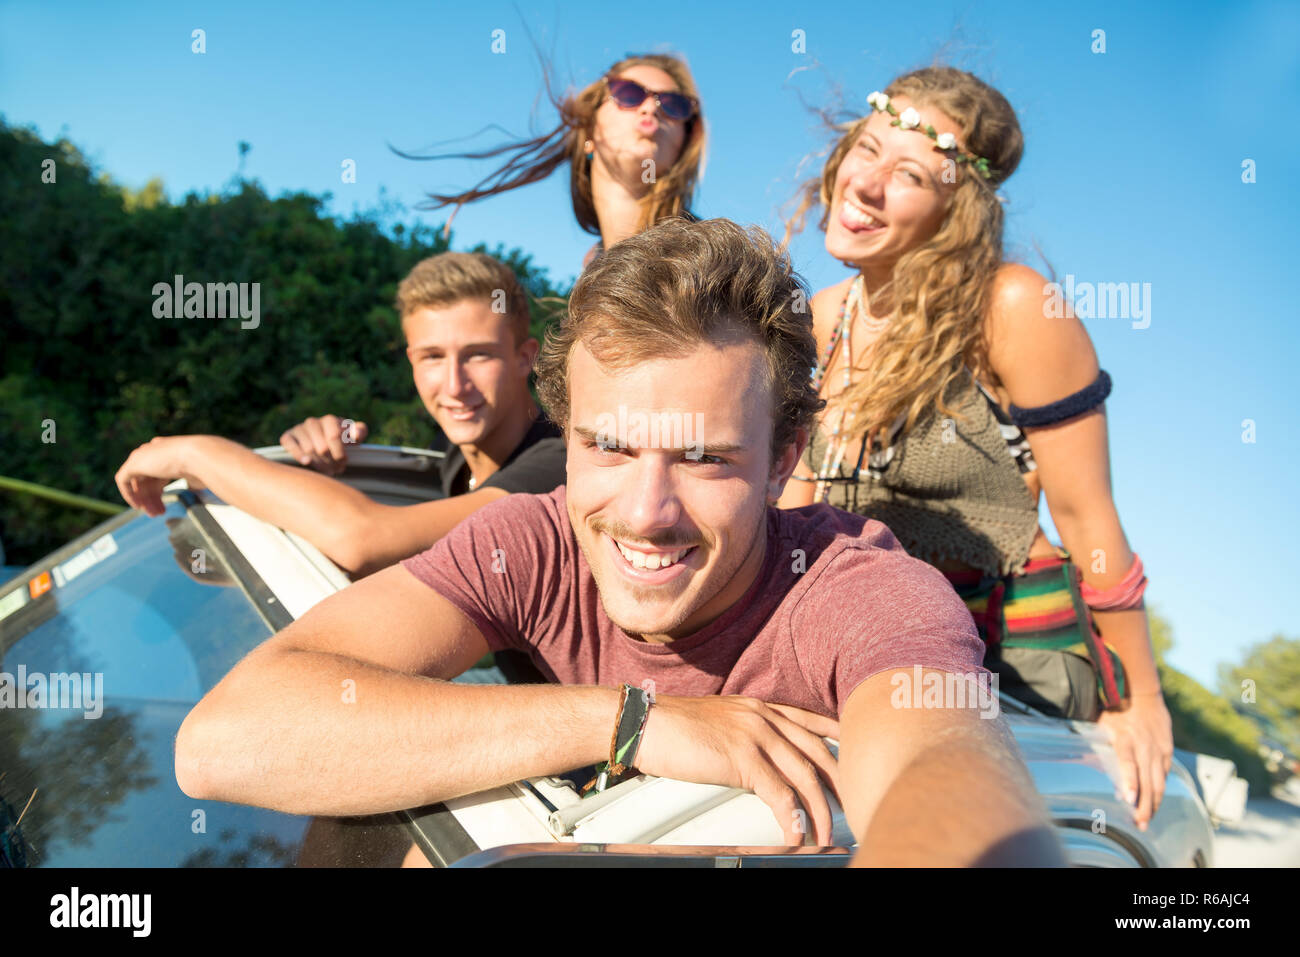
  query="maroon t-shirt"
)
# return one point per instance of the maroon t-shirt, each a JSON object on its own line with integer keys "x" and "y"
{"x": 837, "y": 601}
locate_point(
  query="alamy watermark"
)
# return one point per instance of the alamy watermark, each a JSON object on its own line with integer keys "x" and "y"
{"x": 60, "y": 690}
{"x": 945, "y": 689}
{"x": 213, "y": 300}
{"x": 1099, "y": 300}
{"x": 651, "y": 430}
{"x": 129, "y": 911}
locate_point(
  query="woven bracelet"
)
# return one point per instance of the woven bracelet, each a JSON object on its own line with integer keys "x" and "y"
{"x": 633, "y": 709}
{"x": 1125, "y": 594}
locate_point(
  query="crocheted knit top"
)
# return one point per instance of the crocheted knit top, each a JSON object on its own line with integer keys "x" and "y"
{"x": 951, "y": 489}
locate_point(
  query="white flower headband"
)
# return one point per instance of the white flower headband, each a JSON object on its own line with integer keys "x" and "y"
{"x": 909, "y": 119}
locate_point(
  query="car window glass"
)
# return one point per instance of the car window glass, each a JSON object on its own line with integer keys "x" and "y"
{"x": 125, "y": 636}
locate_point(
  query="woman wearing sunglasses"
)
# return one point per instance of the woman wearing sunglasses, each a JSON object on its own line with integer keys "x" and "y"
{"x": 960, "y": 387}
{"x": 634, "y": 141}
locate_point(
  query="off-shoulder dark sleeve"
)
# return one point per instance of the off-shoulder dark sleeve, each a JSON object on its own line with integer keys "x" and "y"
{"x": 1086, "y": 399}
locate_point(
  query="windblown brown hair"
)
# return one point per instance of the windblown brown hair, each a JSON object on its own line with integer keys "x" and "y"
{"x": 449, "y": 278}
{"x": 531, "y": 160}
{"x": 939, "y": 293}
{"x": 668, "y": 289}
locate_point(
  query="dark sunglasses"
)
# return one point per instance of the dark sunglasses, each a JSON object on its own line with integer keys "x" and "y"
{"x": 629, "y": 94}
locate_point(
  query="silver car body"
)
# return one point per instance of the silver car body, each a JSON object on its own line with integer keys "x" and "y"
{"x": 650, "y": 821}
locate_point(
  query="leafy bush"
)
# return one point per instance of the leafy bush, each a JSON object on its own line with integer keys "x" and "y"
{"x": 1206, "y": 722}
{"x": 82, "y": 346}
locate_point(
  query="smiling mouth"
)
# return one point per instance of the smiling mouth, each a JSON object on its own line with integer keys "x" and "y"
{"x": 858, "y": 216}
{"x": 461, "y": 413}
{"x": 651, "y": 561}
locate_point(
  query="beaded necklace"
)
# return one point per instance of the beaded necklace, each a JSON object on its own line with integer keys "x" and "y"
{"x": 835, "y": 445}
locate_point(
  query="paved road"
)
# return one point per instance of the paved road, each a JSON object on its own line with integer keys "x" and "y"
{"x": 1268, "y": 836}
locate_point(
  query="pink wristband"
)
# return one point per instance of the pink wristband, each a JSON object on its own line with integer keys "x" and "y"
{"x": 1124, "y": 595}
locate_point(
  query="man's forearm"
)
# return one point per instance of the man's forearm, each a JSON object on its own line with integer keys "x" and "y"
{"x": 324, "y": 511}
{"x": 959, "y": 804}
{"x": 311, "y": 733}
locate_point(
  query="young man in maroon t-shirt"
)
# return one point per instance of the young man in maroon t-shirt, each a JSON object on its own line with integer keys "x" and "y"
{"x": 680, "y": 377}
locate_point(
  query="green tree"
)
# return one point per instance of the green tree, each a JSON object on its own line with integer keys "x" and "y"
{"x": 82, "y": 346}
{"x": 1205, "y": 722}
{"x": 1268, "y": 682}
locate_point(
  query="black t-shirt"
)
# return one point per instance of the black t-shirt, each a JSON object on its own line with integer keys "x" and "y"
{"x": 536, "y": 466}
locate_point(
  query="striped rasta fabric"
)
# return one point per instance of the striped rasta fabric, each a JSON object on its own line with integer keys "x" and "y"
{"x": 1041, "y": 609}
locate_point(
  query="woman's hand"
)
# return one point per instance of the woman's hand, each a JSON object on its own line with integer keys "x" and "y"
{"x": 1142, "y": 735}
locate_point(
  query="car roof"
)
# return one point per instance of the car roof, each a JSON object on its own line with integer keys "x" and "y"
{"x": 283, "y": 573}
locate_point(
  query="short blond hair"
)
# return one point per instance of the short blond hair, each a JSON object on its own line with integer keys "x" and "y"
{"x": 449, "y": 278}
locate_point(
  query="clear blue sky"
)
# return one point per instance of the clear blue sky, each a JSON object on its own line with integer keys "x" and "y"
{"x": 1132, "y": 174}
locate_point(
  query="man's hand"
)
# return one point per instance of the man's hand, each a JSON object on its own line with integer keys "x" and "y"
{"x": 774, "y": 750}
{"x": 322, "y": 443}
{"x": 1142, "y": 735}
{"x": 150, "y": 467}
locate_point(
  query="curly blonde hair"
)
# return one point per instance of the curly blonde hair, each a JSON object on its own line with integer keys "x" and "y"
{"x": 940, "y": 290}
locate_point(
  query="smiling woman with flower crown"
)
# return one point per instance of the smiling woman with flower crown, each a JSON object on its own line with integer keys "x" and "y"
{"x": 955, "y": 400}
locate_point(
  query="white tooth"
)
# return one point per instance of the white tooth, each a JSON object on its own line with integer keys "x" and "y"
{"x": 859, "y": 216}
{"x": 653, "y": 561}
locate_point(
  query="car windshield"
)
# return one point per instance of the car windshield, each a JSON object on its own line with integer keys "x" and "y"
{"x": 104, "y": 654}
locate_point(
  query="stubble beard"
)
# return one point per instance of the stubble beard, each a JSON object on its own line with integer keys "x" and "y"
{"x": 643, "y": 594}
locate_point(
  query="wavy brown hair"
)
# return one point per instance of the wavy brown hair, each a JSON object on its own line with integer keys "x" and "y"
{"x": 939, "y": 292}
{"x": 677, "y": 285}
{"x": 531, "y": 160}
